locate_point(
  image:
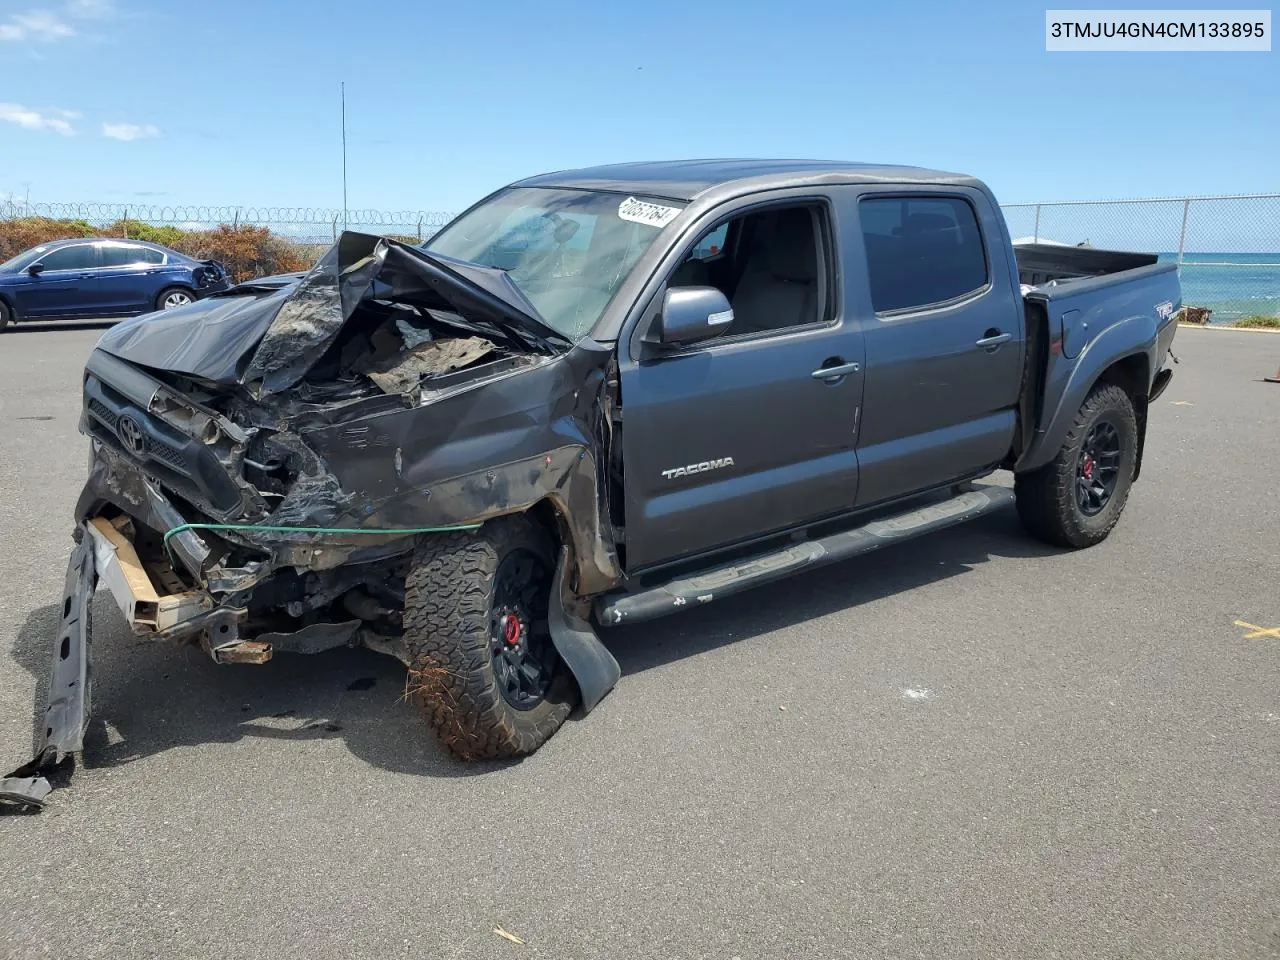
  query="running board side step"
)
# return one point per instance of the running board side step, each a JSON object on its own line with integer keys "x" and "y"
{"x": 719, "y": 582}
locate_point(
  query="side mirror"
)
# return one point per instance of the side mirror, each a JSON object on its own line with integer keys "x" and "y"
{"x": 36, "y": 269}
{"x": 690, "y": 314}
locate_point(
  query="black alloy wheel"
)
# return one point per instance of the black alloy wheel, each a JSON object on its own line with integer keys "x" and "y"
{"x": 1098, "y": 469}
{"x": 524, "y": 658}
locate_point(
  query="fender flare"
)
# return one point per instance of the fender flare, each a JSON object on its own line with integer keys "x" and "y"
{"x": 1132, "y": 337}
{"x": 592, "y": 665}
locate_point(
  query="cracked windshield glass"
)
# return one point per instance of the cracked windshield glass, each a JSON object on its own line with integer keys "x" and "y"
{"x": 567, "y": 250}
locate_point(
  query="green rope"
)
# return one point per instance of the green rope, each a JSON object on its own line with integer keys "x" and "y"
{"x": 253, "y": 527}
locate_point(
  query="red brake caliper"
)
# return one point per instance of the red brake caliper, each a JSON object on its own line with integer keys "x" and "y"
{"x": 1087, "y": 467}
{"x": 511, "y": 629}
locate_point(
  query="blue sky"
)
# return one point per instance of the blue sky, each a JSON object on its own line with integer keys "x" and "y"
{"x": 137, "y": 101}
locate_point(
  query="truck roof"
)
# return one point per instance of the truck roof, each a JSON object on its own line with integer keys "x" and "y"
{"x": 687, "y": 179}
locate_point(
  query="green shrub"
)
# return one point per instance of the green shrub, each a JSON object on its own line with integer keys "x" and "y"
{"x": 1258, "y": 322}
{"x": 247, "y": 252}
{"x": 136, "y": 230}
{"x": 24, "y": 233}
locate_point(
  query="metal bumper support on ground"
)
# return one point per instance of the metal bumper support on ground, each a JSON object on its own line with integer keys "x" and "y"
{"x": 70, "y": 684}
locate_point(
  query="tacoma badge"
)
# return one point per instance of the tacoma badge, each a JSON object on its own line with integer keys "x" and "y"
{"x": 702, "y": 467}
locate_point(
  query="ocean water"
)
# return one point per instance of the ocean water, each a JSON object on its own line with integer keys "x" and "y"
{"x": 1232, "y": 285}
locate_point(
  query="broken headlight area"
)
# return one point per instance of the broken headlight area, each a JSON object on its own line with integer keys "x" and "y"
{"x": 239, "y": 458}
{"x": 218, "y": 410}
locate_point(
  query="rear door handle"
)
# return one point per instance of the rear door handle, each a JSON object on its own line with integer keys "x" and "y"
{"x": 835, "y": 373}
{"x": 993, "y": 340}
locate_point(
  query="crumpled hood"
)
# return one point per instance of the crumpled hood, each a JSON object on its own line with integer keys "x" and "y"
{"x": 205, "y": 339}
{"x": 270, "y": 338}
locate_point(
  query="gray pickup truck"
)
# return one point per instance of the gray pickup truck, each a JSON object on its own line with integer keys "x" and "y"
{"x": 595, "y": 397}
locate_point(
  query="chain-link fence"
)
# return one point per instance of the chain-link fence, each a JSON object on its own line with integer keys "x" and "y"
{"x": 249, "y": 241}
{"x": 1228, "y": 247}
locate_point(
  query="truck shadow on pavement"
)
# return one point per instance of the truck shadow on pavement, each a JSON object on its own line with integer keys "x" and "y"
{"x": 841, "y": 586}
{"x": 149, "y": 698}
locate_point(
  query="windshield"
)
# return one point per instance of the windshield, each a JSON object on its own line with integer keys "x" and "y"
{"x": 23, "y": 259}
{"x": 567, "y": 250}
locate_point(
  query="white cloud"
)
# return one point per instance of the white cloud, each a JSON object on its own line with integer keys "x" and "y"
{"x": 129, "y": 131}
{"x": 35, "y": 120}
{"x": 48, "y": 25}
{"x": 36, "y": 25}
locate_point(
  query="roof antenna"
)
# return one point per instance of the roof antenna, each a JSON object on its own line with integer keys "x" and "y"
{"x": 343, "y": 94}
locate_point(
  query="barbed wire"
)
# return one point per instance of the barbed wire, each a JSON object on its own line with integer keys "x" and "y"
{"x": 229, "y": 214}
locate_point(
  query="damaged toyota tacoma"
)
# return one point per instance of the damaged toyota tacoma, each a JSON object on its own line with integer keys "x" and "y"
{"x": 595, "y": 397}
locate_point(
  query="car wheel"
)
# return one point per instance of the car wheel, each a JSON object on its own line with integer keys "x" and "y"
{"x": 483, "y": 666}
{"x": 173, "y": 297}
{"x": 6, "y": 315}
{"x": 1076, "y": 498}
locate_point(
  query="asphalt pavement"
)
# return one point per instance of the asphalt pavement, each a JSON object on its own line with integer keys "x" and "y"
{"x": 965, "y": 746}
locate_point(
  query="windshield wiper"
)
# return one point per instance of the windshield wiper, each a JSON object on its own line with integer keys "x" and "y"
{"x": 528, "y": 336}
{"x": 492, "y": 328}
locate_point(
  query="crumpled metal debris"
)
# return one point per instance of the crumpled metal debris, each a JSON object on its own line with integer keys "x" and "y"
{"x": 403, "y": 373}
{"x": 24, "y": 792}
{"x": 413, "y": 336}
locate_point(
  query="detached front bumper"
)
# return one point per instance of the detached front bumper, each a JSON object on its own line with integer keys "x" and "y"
{"x": 70, "y": 684}
{"x": 104, "y": 554}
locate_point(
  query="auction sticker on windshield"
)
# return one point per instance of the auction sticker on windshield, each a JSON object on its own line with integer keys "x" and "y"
{"x": 652, "y": 214}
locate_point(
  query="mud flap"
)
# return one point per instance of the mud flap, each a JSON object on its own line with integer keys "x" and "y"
{"x": 67, "y": 715}
{"x": 591, "y": 664}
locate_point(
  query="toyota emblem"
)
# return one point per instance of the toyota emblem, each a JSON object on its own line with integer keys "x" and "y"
{"x": 131, "y": 435}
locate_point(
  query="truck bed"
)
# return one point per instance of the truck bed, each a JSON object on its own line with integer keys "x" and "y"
{"x": 1041, "y": 263}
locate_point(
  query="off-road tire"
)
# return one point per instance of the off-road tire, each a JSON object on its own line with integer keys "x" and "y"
{"x": 1047, "y": 499}
{"x": 447, "y": 627}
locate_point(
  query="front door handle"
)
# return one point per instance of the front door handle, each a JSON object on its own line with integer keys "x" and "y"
{"x": 835, "y": 373}
{"x": 993, "y": 339}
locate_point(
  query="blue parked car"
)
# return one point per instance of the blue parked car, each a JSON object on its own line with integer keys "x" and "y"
{"x": 96, "y": 277}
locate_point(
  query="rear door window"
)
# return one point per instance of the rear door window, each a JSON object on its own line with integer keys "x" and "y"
{"x": 123, "y": 255}
{"x": 921, "y": 251}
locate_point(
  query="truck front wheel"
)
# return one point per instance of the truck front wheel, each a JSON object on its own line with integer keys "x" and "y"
{"x": 1076, "y": 498}
{"x": 484, "y": 668}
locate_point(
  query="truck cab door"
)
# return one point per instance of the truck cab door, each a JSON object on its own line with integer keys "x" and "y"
{"x": 943, "y": 318}
{"x": 752, "y": 431}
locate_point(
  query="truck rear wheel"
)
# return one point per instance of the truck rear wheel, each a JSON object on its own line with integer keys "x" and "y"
{"x": 1076, "y": 498}
{"x": 484, "y": 668}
